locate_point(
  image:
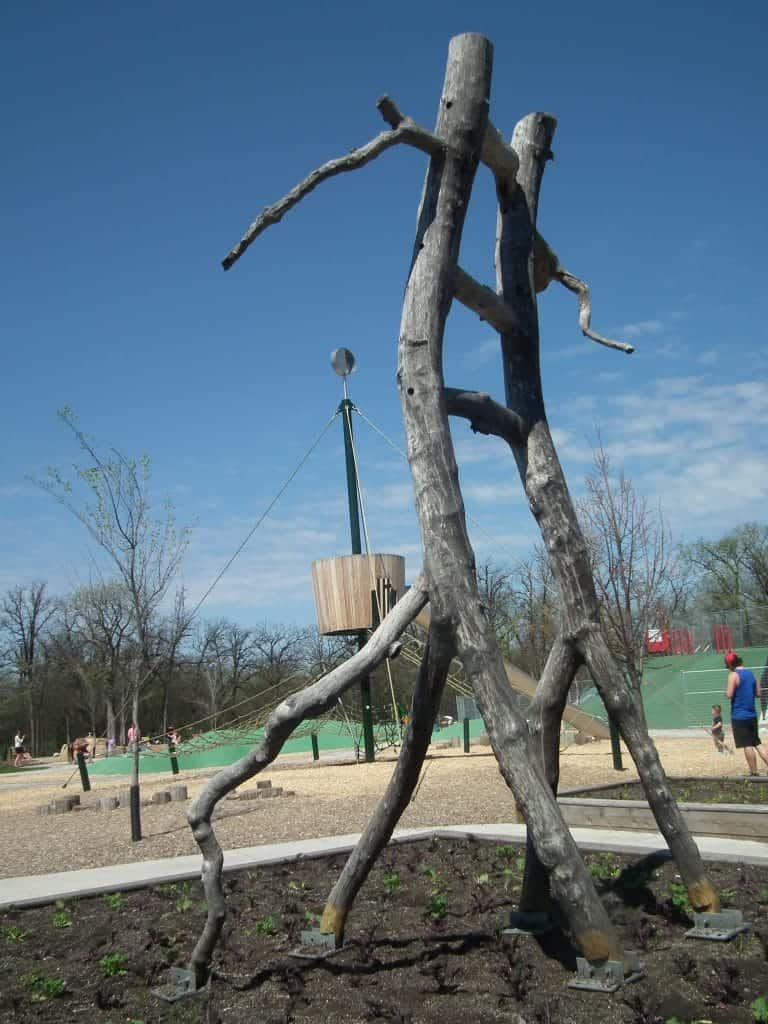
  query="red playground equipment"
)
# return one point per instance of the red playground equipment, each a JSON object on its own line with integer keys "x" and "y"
{"x": 669, "y": 641}
{"x": 722, "y": 638}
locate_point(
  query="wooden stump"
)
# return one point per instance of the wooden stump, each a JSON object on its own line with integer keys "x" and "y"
{"x": 163, "y": 797}
{"x": 108, "y": 803}
{"x": 179, "y": 793}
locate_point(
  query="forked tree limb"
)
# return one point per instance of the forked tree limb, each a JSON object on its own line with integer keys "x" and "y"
{"x": 551, "y": 504}
{"x": 448, "y": 557}
{"x": 485, "y": 415}
{"x": 435, "y": 663}
{"x": 314, "y": 700}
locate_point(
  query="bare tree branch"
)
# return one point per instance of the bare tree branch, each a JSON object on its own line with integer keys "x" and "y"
{"x": 485, "y": 302}
{"x": 403, "y": 131}
{"x": 311, "y": 701}
{"x": 497, "y": 154}
{"x": 485, "y": 415}
{"x": 547, "y": 268}
{"x": 574, "y": 284}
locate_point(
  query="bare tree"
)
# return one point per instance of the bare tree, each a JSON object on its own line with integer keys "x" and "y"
{"x": 144, "y": 551}
{"x": 732, "y": 571}
{"x": 225, "y": 658}
{"x": 463, "y": 137}
{"x": 636, "y": 567}
{"x": 27, "y": 615}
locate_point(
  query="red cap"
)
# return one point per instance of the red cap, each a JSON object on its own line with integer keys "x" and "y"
{"x": 730, "y": 659}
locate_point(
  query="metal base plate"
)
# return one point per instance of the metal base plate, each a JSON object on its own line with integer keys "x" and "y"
{"x": 608, "y": 976}
{"x": 181, "y": 986}
{"x": 316, "y": 945}
{"x": 523, "y": 922}
{"x": 718, "y": 927}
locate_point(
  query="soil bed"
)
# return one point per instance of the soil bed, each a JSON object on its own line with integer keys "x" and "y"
{"x": 423, "y": 947}
{"x": 690, "y": 791}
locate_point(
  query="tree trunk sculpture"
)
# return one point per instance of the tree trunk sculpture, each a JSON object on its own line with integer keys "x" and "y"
{"x": 527, "y": 752}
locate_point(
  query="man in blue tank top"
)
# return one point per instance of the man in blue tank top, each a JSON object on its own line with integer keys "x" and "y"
{"x": 743, "y": 689}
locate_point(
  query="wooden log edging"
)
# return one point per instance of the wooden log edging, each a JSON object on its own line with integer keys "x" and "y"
{"x": 737, "y": 821}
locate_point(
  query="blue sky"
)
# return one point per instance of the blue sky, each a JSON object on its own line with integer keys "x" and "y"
{"x": 140, "y": 141}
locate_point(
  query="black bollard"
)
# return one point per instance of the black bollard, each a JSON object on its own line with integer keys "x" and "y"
{"x": 174, "y": 759}
{"x": 83, "y": 772}
{"x": 315, "y": 747}
{"x": 466, "y": 735}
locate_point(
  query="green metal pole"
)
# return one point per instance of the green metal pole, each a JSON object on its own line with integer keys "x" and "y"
{"x": 466, "y": 735}
{"x": 174, "y": 759}
{"x": 345, "y": 409}
{"x": 83, "y": 772}
{"x": 315, "y": 747}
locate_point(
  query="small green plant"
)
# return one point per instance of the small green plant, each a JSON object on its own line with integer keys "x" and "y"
{"x": 605, "y": 867}
{"x": 506, "y": 852}
{"x": 41, "y": 987}
{"x": 265, "y": 926}
{"x": 185, "y": 901}
{"x": 62, "y": 919}
{"x": 482, "y": 879}
{"x": 430, "y": 873}
{"x": 437, "y": 904}
{"x": 297, "y": 886}
{"x": 678, "y": 896}
{"x": 113, "y": 965}
{"x": 762, "y": 896}
{"x": 392, "y": 883}
{"x": 12, "y": 933}
{"x": 759, "y": 1008}
{"x": 114, "y": 900}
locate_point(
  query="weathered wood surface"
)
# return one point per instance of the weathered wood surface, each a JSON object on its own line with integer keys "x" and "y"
{"x": 550, "y": 502}
{"x": 449, "y": 561}
{"x": 312, "y": 701}
{"x": 732, "y": 820}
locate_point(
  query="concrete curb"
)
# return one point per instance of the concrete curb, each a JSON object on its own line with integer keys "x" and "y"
{"x": 34, "y": 890}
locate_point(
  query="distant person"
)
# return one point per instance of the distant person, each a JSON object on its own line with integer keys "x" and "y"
{"x": 718, "y": 735}
{"x": 742, "y": 689}
{"x": 19, "y": 750}
{"x": 134, "y": 737}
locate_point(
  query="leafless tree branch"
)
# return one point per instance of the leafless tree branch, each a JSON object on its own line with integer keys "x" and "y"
{"x": 403, "y": 131}
{"x": 485, "y": 302}
{"x": 485, "y": 415}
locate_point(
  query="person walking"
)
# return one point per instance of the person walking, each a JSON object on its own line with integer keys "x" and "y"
{"x": 19, "y": 750}
{"x": 742, "y": 689}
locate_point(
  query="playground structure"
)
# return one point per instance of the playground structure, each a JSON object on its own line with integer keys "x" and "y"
{"x": 527, "y": 751}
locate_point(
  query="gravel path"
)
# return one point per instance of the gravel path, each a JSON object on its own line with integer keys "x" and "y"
{"x": 329, "y": 800}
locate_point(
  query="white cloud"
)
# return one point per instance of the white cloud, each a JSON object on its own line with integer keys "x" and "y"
{"x": 640, "y": 329}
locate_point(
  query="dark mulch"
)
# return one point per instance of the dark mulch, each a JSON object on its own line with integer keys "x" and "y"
{"x": 423, "y": 947}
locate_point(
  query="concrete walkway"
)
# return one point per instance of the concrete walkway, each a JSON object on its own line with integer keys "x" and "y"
{"x": 32, "y": 890}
